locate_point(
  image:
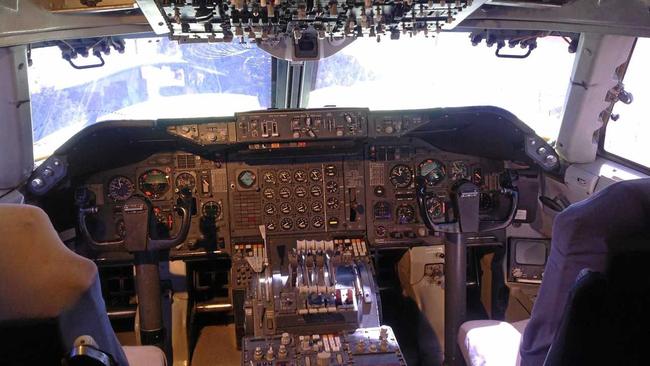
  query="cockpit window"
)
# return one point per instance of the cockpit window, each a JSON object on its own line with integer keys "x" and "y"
{"x": 446, "y": 71}
{"x": 629, "y": 127}
{"x": 154, "y": 78}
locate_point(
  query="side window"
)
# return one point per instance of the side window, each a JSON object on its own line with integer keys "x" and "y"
{"x": 629, "y": 135}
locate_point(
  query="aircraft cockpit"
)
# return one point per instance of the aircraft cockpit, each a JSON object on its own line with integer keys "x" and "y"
{"x": 309, "y": 183}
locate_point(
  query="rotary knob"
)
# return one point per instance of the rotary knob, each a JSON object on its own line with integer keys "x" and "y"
{"x": 323, "y": 359}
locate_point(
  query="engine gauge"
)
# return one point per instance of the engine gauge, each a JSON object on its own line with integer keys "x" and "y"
{"x": 316, "y": 191}
{"x": 433, "y": 171}
{"x": 211, "y": 209}
{"x": 405, "y": 214}
{"x": 300, "y": 176}
{"x": 285, "y": 208}
{"x": 401, "y": 176}
{"x": 185, "y": 181}
{"x": 269, "y": 209}
{"x": 301, "y": 191}
{"x": 271, "y": 226}
{"x": 317, "y": 222}
{"x": 330, "y": 170}
{"x": 286, "y": 224}
{"x": 246, "y": 179}
{"x": 120, "y": 188}
{"x": 153, "y": 183}
{"x": 458, "y": 170}
{"x": 269, "y": 193}
{"x": 333, "y": 203}
{"x": 269, "y": 177}
{"x": 302, "y": 223}
{"x": 315, "y": 175}
{"x": 332, "y": 187}
{"x": 317, "y": 206}
{"x": 285, "y": 176}
{"x": 301, "y": 207}
{"x": 285, "y": 192}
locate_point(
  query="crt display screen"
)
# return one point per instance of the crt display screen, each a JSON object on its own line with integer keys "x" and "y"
{"x": 530, "y": 253}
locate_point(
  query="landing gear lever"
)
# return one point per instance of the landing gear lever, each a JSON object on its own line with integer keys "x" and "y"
{"x": 465, "y": 200}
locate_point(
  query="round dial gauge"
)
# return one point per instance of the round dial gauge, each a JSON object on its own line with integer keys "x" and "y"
{"x": 286, "y": 224}
{"x": 269, "y": 209}
{"x": 120, "y": 188}
{"x": 269, "y": 193}
{"x": 458, "y": 170}
{"x": 285, "y": 208}
{"x": 332, "y": 187}
{"x": 317, "y": 206}
{"x": 211, "y": 209}
{"x": 315, "y": 175}
{"x": 302, "y": 223}
{"x": 405, "y": 214}
{"x": 153, "y": 183}
{"x": 301, "y": 207}
{"x": 185, "y": 181}
{"x": 269, "y": 177}
{"x": 317, "y": 222}
{"x": 401, "y": 176}
{"x": 316, "y": 191}
{"x": 285, "y": 176}
{"x": 271, "y": 226}
{"x": 436, "y": 207}
{"x": 246, "y": 179}
{"x": 285, "y": 192}
{"x": 330, "y": 170}
{"x": 301, "y": 191}
{"x": 300, "y": 176}
{"x": 433, "y": 171}
{"x": 333, "y": 203}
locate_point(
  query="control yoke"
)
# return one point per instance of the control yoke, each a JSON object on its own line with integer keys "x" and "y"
{"x": 136, "y": 213}
{"x": 465, "y": 197}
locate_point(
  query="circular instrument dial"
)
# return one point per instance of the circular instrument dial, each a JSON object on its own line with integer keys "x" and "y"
{"x": 271, "y": 225}
{"x": 285, "y": 208}
{"x": 330, "y": 170}
{"x": 317, "y": 206}
{"x": 301, "y": 191}
{"x": 300, "y": 176}
{"x": 333, "y": 203}
{"x": 120, "y": 188}
{"x": 153, "y": 183}
{"x": 332, "y": 187}
{"x": 185, "y": 181}
{"x": 246, "y": 179}
{"x": 302, "y": 223}
{"x": 433, "y": 171}
{"x": 211, "y": 209}
{"x": 269, "y": 177}
{"x": 286, "y": 223}
{"x": 316, "y": 191}
{"x": 405, "y": 214}
{"x": 285, "y": 192}
{"x": 401, "y": 176}
{"x": 301, "y": 207}
{"x": 315, "y": 175}
{"x": 458, "y": 170}
{"x": 269, "y": 209}
{"x": 284, "y": 176}
{"x": 317, "y": 222}
{"x": 436, "y": 207}
{"x": 269, "y": 193}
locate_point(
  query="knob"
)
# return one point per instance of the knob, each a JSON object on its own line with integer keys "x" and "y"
{"x": 361, "y": 346}
{"x": 323, "y": 359}
{"x": 286, "y": 339}
{"x": 372, "y": 348}
{"x": 37, "y": 183}
{"x": 270, "y": 355}
{"x": 282, "y": 352}
{"x": 258, "y": 353}
{"x": 47, "y": 172}
{"x": 388, "y": 130}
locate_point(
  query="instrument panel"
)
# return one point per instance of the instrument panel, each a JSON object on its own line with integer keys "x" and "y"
{"x": 326, "y": 172}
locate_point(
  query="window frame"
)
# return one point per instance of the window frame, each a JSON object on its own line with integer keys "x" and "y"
{"x": 601, "y": 152}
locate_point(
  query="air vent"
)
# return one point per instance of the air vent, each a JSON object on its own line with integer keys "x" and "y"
{"x": 185, "y": 161}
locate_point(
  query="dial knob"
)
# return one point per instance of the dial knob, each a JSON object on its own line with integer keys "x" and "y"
{"x": 323, "y": 359}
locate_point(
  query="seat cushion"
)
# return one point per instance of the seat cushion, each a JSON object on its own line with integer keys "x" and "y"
{"x": 491, "y": 342}
{"x": 145, "y": 356}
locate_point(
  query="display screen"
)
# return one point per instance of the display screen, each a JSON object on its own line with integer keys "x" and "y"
{"x": 530, "y": 253}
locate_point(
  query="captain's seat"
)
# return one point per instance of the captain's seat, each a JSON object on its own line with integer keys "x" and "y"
{"x": 585, "y": 236}
{"x": 49, "y": 296}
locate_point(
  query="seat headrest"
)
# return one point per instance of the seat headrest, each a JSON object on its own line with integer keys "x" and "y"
{"x": 41, "y": 277}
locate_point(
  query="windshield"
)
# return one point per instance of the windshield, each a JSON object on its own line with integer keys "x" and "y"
{"x": 446, "y": 71}
{"x": 154, "y": 78}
